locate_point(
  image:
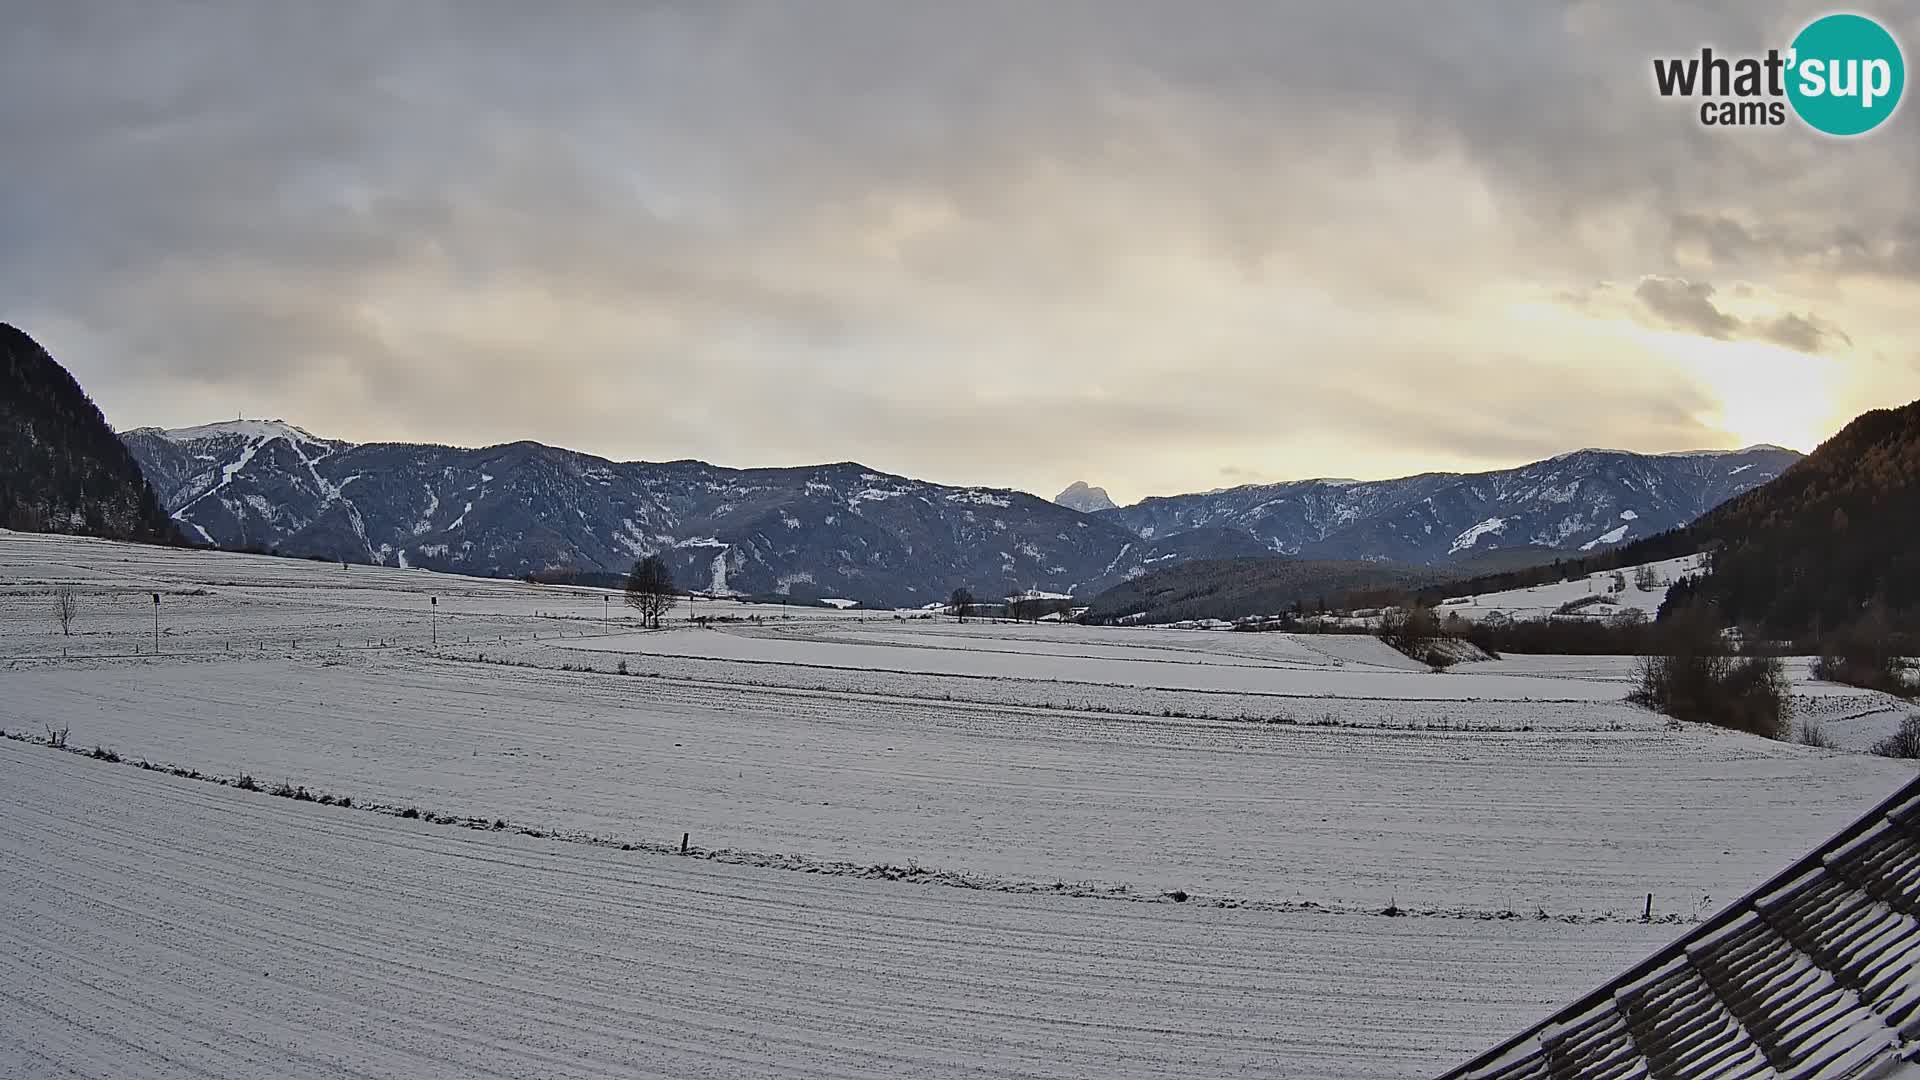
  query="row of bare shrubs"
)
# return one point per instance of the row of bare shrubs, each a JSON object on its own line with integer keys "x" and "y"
{"x": 1687, "y": 667}
{"x": 1867, "y": 654}
{"x": 1694, "y": 676}
{"x": 1903, "y": 743}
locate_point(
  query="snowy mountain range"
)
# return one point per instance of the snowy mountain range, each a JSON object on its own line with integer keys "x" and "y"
{"x": 847, "y": 531}
{"x": 1581, "y": 501}
{"x": 816, "y": 532}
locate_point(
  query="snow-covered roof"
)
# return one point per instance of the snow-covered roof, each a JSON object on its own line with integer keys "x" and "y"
{"x": 1814, "y": 974}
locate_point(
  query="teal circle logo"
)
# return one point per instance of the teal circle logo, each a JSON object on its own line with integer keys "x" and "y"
{"x": 1846, "y": 75}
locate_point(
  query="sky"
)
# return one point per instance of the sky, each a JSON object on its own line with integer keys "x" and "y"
{"x": 1158, "y": 247}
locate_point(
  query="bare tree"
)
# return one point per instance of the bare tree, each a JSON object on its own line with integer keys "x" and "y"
{"x": 960, "y": 604}
{"x": 1903, "y": 743}
{"x": 1645, "y": 580}
{"x": 65, "y": 605}
{"x": 650, "y": 590}
{"x": 1414, "y": 630}
{"x": 1028, "y": 607}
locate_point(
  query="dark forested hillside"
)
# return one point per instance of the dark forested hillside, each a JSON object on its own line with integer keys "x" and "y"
{"x": 62, "y": 468}
{"x": 1830, "y": 538}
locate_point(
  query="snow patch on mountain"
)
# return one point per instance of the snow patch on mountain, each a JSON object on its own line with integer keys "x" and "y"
{"x": 628, "y": 536}
{"x": 227, "y": 473}
{"x": 258, "y": 430}
{"x": 1472, "y": 536}
{"x": 1611, "y": 536}
{"x": 783, "y": 585}
{"x": 977, "y": 497}
{"x": 425, "y": 523}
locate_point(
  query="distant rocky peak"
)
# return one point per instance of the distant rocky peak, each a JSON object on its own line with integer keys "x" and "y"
{"x": 1079, "y": 496}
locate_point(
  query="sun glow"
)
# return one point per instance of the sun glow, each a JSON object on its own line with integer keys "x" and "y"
{"x": 1765, "y": 393}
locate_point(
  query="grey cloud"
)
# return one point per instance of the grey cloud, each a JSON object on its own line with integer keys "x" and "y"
{"x": 848, "y": 230}
{"x": 1724, "y": 238}
{"x": 1800, "y": 333}
{"x": 1877, "y": 245}
{"x": 1686, "y": 305}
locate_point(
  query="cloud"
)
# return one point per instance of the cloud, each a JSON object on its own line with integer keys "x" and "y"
{"x": 1800, "y": 333}
{"x": 1686, "y": 305}
{"x": 1891, "y": 250}
{"x": 991, "y": 242}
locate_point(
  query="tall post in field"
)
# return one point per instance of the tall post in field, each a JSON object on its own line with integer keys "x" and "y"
{"x": 156, "y": 624}
{"x": 433, "y": 620}
{"x": 606, "y": 615}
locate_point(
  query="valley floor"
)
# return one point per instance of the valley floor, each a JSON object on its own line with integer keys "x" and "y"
{"x": 916, "y": 848}
{"x": 162, "y": 927}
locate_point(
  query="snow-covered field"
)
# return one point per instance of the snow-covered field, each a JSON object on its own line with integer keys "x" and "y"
{"x": 915, "y": 847}
{"x": 162, "y": 928}
{"x": 215, "y": 602}
{"x": 1070, "y": 656}
{"x": 1348, "y": 819}
{"x": 1594, "y": 592}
